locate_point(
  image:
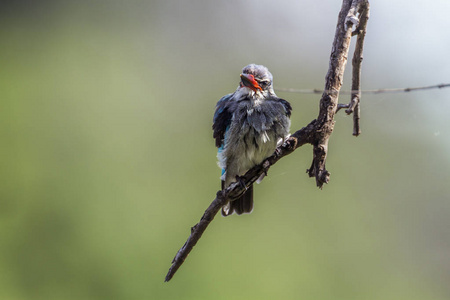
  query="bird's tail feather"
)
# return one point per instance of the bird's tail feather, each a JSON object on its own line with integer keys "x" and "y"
{"x": 243, "y": 204}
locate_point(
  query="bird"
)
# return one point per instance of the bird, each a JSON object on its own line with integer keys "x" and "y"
{"x": 248, "y": 125}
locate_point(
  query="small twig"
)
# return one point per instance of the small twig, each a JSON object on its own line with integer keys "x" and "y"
{"x": 354, "y": 105}
{"x": 356, "y": 127}
{"x": 341, "y": 106}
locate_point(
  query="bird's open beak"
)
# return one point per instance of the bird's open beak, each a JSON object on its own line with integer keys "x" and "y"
{"x": 249, "y": 81}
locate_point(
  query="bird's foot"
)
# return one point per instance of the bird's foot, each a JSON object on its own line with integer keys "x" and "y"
{"x": 241, "y": 182}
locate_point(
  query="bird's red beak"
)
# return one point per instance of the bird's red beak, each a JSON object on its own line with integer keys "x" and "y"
{"x": 248, "y": 80}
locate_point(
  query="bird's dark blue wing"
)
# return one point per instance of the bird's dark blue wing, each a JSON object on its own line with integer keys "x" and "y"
{"x": 287, "y": 107}
{"x": 222, "y": 118}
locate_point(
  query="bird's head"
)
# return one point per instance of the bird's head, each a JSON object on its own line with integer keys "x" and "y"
{"x": 257, "y": 81}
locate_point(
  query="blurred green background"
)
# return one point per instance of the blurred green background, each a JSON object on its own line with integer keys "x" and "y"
{"x": 107, "y": 155}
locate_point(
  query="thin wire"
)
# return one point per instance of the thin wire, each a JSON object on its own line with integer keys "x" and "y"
{"x": 379, "y": 91}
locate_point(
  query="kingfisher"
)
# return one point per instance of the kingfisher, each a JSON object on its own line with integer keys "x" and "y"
{"x": 248, "y": 125}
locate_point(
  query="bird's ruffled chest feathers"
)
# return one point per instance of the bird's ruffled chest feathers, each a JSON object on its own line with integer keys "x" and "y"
{"x": 258, "y": 112}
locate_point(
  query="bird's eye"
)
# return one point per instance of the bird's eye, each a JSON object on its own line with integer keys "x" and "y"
{"x": 264, "y": 83}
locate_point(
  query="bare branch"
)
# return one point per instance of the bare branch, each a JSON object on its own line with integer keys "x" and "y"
{"x": 316, "y": 133}
{"x": 329, "y": 100}
{"x": 197, "y": 232}
{"x": 236, "y": 189}
{"x": 354, "y": 105}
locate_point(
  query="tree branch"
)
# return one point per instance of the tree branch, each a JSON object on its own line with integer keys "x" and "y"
{"x": 236, "y": 189}
{"x": 334, "y": 79}
{"x": 360, "y": 31}
{"x": 316, "y": 133}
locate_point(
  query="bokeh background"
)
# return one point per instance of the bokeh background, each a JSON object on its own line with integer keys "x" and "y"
{"x": 107, "y": 156}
